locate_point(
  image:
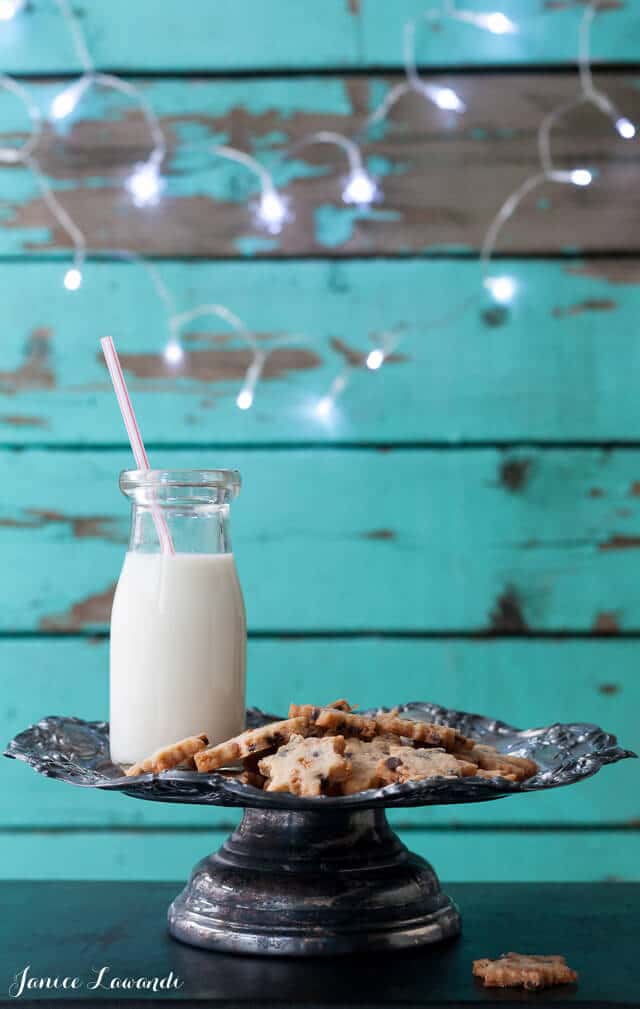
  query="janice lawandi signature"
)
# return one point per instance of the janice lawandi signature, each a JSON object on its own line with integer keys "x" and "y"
{"x": 101, "y": 978}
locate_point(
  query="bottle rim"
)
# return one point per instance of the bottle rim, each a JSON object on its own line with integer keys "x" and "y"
{"x": 214, "y": 479}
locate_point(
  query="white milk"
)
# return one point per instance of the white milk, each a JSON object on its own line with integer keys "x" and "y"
{"x": 178, "y": 638}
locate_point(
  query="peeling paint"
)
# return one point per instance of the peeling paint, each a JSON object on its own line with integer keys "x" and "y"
{"x": 207, "y": 209}
{"x": 35, "y": 372}
{"x": 615, "y": 271}
{"x": 563, "y": 5}
{"x": 596, "y": 492}
{"x": 588, "y": 305}
{"x": 618, "y": 541}
{"x": 495, "y": 316}
{"x": 634, "y": 490}
{"x": 254, "y": 245}
{"x": 609, "y": 688}
{"x": 222, "y": 365}
{"x": 95, "y": 609}
{"x": 337, "y": 226}
{"x": 514, "y": 473}
{"x": 507, "y": 616}
{"x": 380, "y": 534}
{"x": 23, "y": 420}
{"x": 102, "y": 527}
{"x": 606, "y": 623}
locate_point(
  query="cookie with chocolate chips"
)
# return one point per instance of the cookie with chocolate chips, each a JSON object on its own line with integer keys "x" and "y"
{"x": 253, "y": 741}
{"x": 308, "y": 767}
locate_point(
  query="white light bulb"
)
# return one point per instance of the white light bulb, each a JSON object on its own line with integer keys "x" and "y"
{"x": 360, "y": 189}
{"x": 272, "y": 211}
{"x": 499, "y": 24}
{"x": 581, "y": 177}
{"x": 625, "y": 128}
{"x": 446, "y": 98}
{"x": 502, "y": 288}
{"x": 375, "y": 359}
{"x": 244, "y": 399}
{"x": 324, "y": 406}
{"x": 65, "y": 102}
{"x": 72, "y": 279}
{"x": 145, "y": 184}
{"x": 173, "y": 352}
{"x": 9, "y": 9}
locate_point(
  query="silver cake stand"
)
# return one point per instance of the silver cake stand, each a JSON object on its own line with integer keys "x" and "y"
{"x": 316, "y": 876}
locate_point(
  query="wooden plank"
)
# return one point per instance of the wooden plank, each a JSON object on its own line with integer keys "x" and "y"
{"x": 152, "y": 36}
{"x": 423, "y": 157}
{"x": 400, "y": 540}
{"x": 527, "y": 683}
{"x": 485, "y": 856}
{"x": 560, "y": 364}
{"x": 546, "y": 33}
{"x": 287, "y": 34}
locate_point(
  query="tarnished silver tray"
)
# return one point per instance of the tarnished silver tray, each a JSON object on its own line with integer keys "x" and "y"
{"x": 322, "y": 875}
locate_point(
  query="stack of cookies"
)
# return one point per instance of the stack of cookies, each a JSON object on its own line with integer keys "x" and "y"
{"x": 333, "y": 750}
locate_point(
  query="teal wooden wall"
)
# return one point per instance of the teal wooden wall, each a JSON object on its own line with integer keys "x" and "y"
{"x": 467, "y": 528}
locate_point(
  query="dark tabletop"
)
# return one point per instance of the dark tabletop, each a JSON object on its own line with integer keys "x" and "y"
{"x": 75, "y": 929}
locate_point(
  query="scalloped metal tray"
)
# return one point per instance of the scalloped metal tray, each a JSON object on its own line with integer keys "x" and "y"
{"x": 78, "y": 752}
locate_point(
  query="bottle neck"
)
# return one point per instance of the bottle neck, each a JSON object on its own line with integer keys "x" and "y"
{"x": 194, "y": 528}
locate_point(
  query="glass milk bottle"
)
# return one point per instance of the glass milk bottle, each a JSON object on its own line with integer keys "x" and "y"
{"x": 178, "y": 629}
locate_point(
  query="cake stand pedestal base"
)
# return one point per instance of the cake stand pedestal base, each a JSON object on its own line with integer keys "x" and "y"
{"x": 290, "y": 883}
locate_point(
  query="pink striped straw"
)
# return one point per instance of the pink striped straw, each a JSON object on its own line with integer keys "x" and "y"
{"x": 133, "y": 431}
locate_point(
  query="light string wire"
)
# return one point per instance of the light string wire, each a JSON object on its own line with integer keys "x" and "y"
{"x": 145, "y": 183}
{"x": 503, "y": 288}
{"x": 145, "y": 186}
{"x": 446, "y": 99}
{"x": 272, "y": 209}
{"x": 384, "y": 345}
{"x": 25, "y": 155}
{"x": 360, "y": 188}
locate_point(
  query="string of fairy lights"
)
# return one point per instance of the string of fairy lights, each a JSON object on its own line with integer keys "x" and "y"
{"x": 272, "y": 209}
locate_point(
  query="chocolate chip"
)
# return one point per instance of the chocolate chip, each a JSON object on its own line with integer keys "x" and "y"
{"x": 393, "y": 763}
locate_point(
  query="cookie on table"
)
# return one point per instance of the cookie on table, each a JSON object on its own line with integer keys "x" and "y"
{"x": 260, "y": 740}
{"x": 487, "y": 758}
{"x": 335, "y": 721}
{"x": 421, "y": 733}
{"x": 520, "y": 970}
{"x": 404, "y": 763}
{"x": 170, "y": 756}
{"x": 307, "y": 767}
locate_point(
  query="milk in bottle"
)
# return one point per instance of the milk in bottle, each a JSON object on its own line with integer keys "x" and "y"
{"x": 178, "y": 631}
